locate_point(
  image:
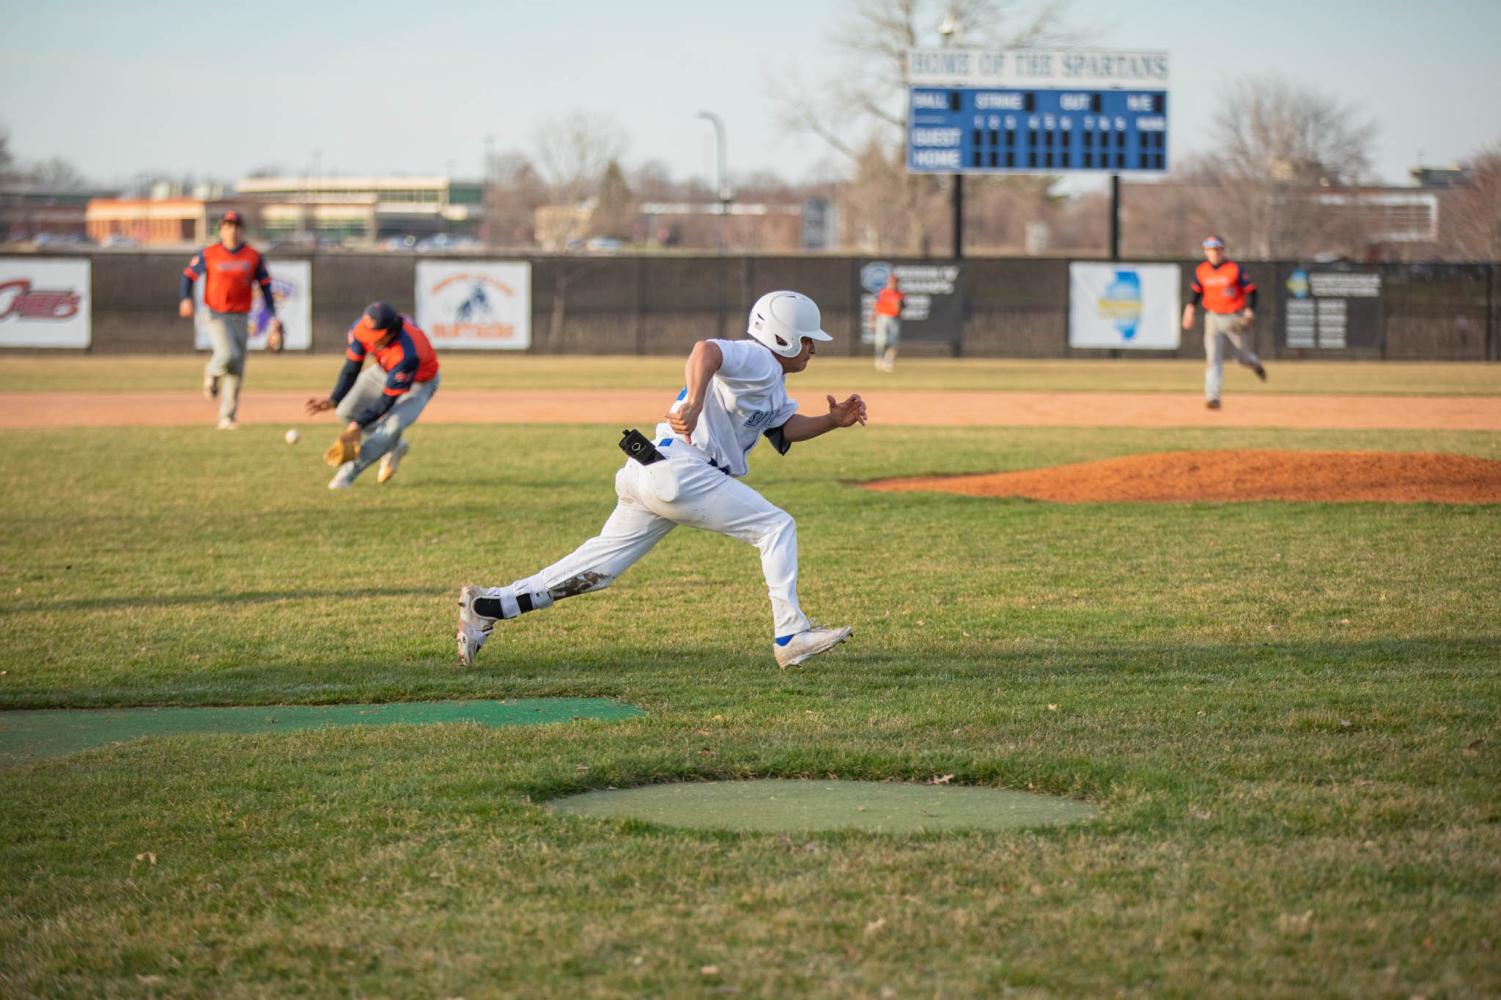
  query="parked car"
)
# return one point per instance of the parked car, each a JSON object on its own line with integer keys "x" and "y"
{"x": 61, "y": 241}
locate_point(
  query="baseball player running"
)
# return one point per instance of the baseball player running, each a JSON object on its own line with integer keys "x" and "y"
{"x": 1229, "y": 297}
{"x": 229, "y": 268}
{"x": 388, "y": 396}
{"x": 736, "y": 394}
{"x": 886, "y": 323}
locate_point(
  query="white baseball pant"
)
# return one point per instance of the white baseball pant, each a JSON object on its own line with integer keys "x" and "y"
{"x": 651, "y": 501}
{"x": 1219, "y": 336}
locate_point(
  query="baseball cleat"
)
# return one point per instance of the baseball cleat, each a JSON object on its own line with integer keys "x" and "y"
{"x": 808, "y": 643}
{"x": 391, "y": 460}
{"x": 1260, "y": 372}
{"x": 1213, "y": 404}
{"x": 344, "y": 478}
{"x": 226, "y": 424}
{"x": 474, "y": 628}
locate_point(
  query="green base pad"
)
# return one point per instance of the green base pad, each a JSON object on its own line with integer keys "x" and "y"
{"x": 27, "y": 735}
{"x": 774, "y": 805}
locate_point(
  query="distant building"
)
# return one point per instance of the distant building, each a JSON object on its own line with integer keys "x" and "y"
{"x": 180, "y": 221}
{"x": 365, "y": 209}
{"x": 1440, "y": 177}
{"x": 747, "y": 227}
{"x": 563, "y": 227}
{"x": 30, "y": 210}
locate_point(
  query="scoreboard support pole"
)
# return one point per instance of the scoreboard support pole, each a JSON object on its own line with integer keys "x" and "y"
{"x": 1115, "y": 216}
{"x": 958, "y": 211}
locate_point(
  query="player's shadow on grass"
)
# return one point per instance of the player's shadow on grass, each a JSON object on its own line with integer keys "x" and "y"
{"x": 185, "y": 600}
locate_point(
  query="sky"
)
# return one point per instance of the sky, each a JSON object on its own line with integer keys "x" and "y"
{"x": 130, "y": 86}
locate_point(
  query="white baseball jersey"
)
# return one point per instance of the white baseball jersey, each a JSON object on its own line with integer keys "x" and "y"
{"x": 746, "y": 398}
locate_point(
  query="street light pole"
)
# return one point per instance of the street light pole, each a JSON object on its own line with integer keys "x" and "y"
{"x": 722, "y": 192}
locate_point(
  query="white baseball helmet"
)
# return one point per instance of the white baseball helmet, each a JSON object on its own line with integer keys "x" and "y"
{"x": 781, "y": 321}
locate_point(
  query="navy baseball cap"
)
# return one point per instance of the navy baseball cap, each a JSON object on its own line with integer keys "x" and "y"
{"x": 232, "y": 218}
{"x": 381, "y": 316}
{"x": 1213, "y": 243}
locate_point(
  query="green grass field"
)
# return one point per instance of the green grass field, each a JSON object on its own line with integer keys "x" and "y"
{"x": 1287, "y": 713}
{"x": 470, "y": 371}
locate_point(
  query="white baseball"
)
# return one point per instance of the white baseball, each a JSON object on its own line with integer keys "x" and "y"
{"x": 292, "y": 436}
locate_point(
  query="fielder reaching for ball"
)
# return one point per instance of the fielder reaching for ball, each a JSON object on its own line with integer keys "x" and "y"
{"x": 736, "y": 394}
{"x": 388, "y": 396}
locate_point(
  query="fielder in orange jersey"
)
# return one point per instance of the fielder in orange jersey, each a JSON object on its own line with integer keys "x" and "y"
{"x": 230, "y": 269}
{"x": 388, "y": 396}
{"x": 1229, "y": 297}
{"x": 886, "y": 323}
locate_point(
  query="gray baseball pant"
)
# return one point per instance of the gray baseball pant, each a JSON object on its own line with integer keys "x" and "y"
{"x": 368, "y": 389}
{"x": 1219, "y": 337}
{"x": 229, "y": 333}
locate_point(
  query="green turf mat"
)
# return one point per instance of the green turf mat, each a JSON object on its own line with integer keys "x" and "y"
{"x": 774, "y": 805}
{"x": 26, "y": 735}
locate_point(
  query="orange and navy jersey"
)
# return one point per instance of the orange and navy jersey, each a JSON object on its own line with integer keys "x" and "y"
{"x": 1223, "y": 289}
{"x": 407, "y": 359}
{"x": 889, "y": 302}
{"x": 228, "y": 278}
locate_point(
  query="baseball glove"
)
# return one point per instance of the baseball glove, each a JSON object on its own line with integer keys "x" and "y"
{"x": 1241, "y": 325}
{"x": 344, "y": 449}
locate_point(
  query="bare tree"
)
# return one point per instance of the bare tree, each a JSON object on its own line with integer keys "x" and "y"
{"x": 573, "y": 151}
{"x": 1473, "y": 229}
{"x": 652, "y": 181}
{"x": 864, "y": 101}
{"x": 1275, "y": 146}
{"x": 6, "y": 159}
{"x": 56, "y": 174}
{"x": 1269, "y": 129}
{"x": 514, "y": 190}
{"x": 615, "y": 207}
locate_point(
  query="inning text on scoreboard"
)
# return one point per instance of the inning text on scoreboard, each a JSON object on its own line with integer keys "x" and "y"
{"x": 974, "y": 130}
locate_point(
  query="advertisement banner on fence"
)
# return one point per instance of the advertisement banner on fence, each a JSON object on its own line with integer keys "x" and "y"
{"x": 44, "y": 302}
{"x": 932, "y": 302}
{"x": 475, "y": 304}
{"x": 1130, "y": 306}
{"x": 292, "y": 290}
{"x": 1332, "y": 309}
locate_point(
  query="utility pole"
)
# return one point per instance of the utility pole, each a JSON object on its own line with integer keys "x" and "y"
{"x": 947, "y": 30}
{"x": 1115, "y": 216}
{"x": 722, "y": 191}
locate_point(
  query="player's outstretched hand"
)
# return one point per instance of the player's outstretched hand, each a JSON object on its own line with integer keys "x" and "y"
{"x": 185, "y": 308}
{"x": 848, "y": 412}
{"x": 318, "y": 405}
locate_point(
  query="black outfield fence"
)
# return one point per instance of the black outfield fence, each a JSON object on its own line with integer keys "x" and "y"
{"x": 1013, "y": 307}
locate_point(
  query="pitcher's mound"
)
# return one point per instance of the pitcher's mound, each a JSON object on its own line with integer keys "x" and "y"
{"x": 1392, "y": 477}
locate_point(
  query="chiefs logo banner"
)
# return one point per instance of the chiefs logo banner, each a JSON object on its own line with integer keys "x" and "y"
{"x": 44, "y": 302}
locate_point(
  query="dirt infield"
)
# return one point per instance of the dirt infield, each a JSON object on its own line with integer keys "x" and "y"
{"x": 1392, "y": 477}
{"x": 911, "y": 408}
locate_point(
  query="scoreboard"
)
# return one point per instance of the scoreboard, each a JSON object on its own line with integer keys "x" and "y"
{"x": 987, "y": 130}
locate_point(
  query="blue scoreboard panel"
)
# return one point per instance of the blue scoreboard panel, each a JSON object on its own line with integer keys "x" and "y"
{"x": 963, "y": 130}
